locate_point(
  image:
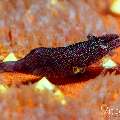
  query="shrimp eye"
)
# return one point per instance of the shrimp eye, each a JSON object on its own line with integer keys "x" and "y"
{"x": 91, "y": 37}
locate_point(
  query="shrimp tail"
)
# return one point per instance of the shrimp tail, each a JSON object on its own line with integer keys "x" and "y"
{"x": 7, "y": 66}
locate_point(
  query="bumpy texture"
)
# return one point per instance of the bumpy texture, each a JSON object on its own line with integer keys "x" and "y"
{"x": 61, "y": 61}
{"x": 98, "y": 99}
{"x": 28, "y": 24}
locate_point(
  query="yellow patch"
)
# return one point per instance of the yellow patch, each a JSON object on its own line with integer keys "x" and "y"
{"x": 1, "y": 58}
{"x": 54, "y": 2}
{"x": 108, "y": 63}
{"x": 115, "y": 7}
{"x": 10, "y": 57}
{"x": 44, "y": 84}
{"x": 3, "y": 88}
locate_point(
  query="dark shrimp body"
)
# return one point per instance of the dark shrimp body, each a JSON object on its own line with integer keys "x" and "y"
{"x": 61, "y": 61}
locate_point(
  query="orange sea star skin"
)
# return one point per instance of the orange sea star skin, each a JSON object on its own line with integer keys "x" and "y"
{"x": 61, "y": 60}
